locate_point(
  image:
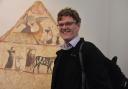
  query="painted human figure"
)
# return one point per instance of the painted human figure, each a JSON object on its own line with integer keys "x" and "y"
{"x": 27, "y": 28}
{"x": 29, "y": 59}
{"x": 11, "y": 53}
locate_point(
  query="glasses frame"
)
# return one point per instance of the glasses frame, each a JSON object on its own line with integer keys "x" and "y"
{"x": 67, "y": 24}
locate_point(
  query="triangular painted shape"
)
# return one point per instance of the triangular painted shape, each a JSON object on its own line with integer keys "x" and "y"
{"x": 36, "y": 26}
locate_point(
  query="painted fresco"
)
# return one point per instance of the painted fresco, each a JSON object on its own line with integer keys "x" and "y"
{"x": 28, "y": 50}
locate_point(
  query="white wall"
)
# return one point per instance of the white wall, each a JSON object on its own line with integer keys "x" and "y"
{"x": 118, "y": 28}
{"x": 104, "y": 22}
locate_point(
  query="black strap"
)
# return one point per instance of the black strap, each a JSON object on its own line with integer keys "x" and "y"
{"x": 84, "y": 79}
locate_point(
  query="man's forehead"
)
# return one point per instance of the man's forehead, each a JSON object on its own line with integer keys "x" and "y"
{"x": 66, "y": 19}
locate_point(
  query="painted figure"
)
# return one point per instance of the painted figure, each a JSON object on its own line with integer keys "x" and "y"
{"x": 11, "y": 53}
{"x": 29, "y": 59}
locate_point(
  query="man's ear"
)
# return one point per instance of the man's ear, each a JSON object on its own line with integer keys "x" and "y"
{"x": 78, "y": 24}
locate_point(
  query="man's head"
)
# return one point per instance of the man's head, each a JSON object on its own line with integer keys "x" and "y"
{"x": 68, "y": 23}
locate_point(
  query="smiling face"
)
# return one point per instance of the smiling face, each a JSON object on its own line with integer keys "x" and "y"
{"x": 68, "y": 28}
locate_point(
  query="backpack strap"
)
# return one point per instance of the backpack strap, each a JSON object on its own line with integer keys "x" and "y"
{"x": 84, "y": 79}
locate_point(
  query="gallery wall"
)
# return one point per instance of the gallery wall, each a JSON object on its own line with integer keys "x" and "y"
{"x": 104, "y": 22}
{"x": 118, "y": 29}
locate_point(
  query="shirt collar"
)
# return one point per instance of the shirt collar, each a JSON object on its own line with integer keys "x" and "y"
{"x": 71, "y": 44}
{"x": 74, "y": 41}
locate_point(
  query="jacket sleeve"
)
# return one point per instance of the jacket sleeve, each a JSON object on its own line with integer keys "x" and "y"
{"x": 96, "y": 73}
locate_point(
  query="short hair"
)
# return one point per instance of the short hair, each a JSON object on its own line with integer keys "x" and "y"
{"x": 69, "y": 12}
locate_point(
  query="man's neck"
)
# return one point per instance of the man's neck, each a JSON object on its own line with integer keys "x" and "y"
{"x": 68, "y": 40}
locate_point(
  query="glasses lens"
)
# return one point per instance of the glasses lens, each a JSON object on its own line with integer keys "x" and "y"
{"x": 66, "y": 23}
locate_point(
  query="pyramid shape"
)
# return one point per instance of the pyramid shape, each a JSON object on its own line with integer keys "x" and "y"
{"x": 36, "y": 26}
{"x": 34, "y": 33}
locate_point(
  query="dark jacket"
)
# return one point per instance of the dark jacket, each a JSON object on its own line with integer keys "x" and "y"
{"x": 67, "y": 69}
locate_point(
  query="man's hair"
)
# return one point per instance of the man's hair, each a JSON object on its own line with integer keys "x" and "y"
{"x": 69, "y": 12}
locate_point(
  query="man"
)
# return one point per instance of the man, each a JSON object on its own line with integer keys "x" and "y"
{"x": 67, "y": 71}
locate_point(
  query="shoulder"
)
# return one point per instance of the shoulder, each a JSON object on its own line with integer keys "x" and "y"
{"x": 92, "y": 49}
{"x": 89, "y": 45}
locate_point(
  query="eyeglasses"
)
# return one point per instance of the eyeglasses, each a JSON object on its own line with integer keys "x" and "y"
{"x": 66, "y": 23}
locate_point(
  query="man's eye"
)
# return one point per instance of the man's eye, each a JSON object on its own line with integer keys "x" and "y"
{"x": 66, "y": 24}
{"x": 61, "y": 24}
{"x": 69, "y": 23}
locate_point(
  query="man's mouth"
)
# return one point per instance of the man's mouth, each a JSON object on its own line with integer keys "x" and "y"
{"x": 65, "y": 30}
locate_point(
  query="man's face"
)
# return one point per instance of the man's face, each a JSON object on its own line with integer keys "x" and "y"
{"x": 68, "y": 28}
